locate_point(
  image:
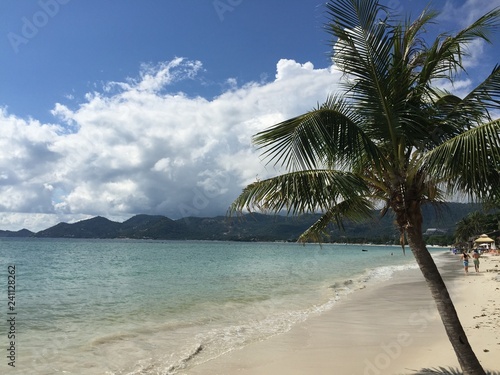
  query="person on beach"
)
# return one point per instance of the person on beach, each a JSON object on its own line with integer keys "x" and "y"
{"x": 465, "y": 258}
{"x": 476, "y": 256}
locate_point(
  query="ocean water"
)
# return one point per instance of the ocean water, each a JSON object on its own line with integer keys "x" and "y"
{"x": 162, "y": 307}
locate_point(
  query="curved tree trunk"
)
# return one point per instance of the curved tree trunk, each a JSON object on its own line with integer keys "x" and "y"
{"x": 467, "y": 359}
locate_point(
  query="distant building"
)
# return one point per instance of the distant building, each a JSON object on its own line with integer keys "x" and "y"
{"x": 433, "y": 231}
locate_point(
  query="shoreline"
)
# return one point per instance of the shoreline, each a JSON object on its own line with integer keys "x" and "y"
{"x": 389, "y": 328}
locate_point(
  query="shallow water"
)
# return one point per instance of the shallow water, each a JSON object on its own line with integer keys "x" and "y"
{"x": 157, "y": 307}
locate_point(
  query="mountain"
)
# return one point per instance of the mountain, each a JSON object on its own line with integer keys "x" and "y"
{"x": 19, "y": 233}
{"x": 97, "y": 227}
{"x": 255, "y": 227}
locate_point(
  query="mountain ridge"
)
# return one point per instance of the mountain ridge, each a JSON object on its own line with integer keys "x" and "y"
{"x": 248, "y": 227}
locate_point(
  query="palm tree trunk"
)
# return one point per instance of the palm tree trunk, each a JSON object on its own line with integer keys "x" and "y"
{"x": 466, "y": 358}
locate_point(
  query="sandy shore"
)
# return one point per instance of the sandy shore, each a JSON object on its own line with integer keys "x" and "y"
{"x": 390, "y": 328}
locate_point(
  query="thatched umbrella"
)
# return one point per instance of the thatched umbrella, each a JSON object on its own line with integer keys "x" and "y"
{"x": 484, "y": 240}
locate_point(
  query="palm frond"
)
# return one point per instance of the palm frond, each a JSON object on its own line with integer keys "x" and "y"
{"x": 362, "y": 45}
{"x": 482, "y": 28}
{"x": 352, "y": 14}
{"x": 444, "y": 56}
{"x": 412, "y": 40}
{"x": 469, "y": 162}
{"x": 483, "y": 98}
{"x": 369, "y": 54}
{"x": 326, "y": 136}
{"x": 355, "y": 209}
{"x": 300, "y": 192}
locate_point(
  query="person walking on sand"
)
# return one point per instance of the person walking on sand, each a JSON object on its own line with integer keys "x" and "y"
{"x": 476, "y": 256}
{"x": 465, "y": 258}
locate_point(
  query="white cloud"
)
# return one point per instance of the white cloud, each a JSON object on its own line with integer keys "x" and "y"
{"x": 480, "y": 55}
{"x": 467, "y": 12}
{"x": 135, "y": 148}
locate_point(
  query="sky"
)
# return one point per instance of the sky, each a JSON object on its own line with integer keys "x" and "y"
{"x": 121, "y": 107}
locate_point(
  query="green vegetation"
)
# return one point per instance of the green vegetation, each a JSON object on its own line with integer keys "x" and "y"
{"x": 253, "y": 227}
{"x": 475, "y": 224}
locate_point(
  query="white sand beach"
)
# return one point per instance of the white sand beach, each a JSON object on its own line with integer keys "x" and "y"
{"x": 390, "y": 328}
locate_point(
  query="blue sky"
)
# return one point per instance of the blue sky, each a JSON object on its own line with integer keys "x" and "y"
{"x": 121, "y": 107}
{"x": 88, "y": 42}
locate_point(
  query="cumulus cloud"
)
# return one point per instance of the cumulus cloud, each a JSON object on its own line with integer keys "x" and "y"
{"x": 463, "y": 14}
{"x": 468, "y": 11}
{"x": 477, "y": 55}
{"x": 136, "y": 147}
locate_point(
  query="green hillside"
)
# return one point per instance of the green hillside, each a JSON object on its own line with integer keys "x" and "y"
{"x": 440, "y": 223}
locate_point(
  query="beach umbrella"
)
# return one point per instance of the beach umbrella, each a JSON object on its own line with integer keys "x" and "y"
{"x": 483, "y": 240}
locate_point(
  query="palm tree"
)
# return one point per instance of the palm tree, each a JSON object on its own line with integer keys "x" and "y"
{"x": 392, "y": 140}
{"x": 471, "y": 225}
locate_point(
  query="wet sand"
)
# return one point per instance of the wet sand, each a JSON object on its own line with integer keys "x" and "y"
{"x": 389, "y": 328}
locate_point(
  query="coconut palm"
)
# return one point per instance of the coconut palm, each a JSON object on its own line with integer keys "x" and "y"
{"x": 471, "y": 225}
{"x": 392, "y": 139}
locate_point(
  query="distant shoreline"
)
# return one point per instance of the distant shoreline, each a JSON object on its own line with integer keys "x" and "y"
{"x": 254, "y": 227}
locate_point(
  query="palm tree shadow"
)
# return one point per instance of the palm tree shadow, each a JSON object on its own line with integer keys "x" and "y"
{"x": 446, "y": 371}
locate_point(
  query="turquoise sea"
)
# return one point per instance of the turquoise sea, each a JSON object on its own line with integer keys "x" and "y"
{"x": 162, "y": 307}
